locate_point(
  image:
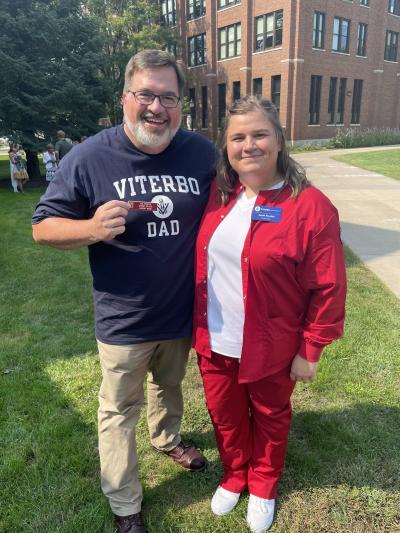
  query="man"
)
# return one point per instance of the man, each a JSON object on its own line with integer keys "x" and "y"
{"x": 62, "y": 146}
{"x": 141, "y": 257}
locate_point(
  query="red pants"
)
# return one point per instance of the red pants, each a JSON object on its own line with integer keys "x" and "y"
{"x": 251, "y": 423}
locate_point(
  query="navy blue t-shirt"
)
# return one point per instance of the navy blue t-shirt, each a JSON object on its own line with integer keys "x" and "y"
{"x": 143, "y": 280}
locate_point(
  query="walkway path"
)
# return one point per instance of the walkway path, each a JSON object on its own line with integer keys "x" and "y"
{"x": 369, "y": 207}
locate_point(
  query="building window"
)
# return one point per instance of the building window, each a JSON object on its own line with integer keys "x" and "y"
{"x": 276, "y": 92}
{"x": 168, "y": 12}
{"x": 204, "y": 107}
{"x": 341, "y": 35}
{"x": 221, "y": 104}
{"x": 332, "y": 100}
{"x": 319, "y": 30}
{"x": 195, "y": 9}
{"x": 268, "y": 31}
{"x": 197, "y": 51}
{"x": 172, "y": 48}
{"x": 362, "y": 39}
{"x": 227, "y": 3}
{"x": 192, "y": 104}
{"x": 257, "y": 87}
{"x": 394, "y": 7}
{"x": 235, "y": 90}
{"x": 392, "y": 39}
{"x": 356, "y": 105}
{"x": 364, "y": 2}
{"x": 341, "y": 101}
{"x": 315, "y": 99}
{"x": 230, "y": 41}
{"x": 333, "y": 116}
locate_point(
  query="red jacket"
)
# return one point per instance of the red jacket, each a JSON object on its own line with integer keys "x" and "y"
{"x": 294, "y": 281}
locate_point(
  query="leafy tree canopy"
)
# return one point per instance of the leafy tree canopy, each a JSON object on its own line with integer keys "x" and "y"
{"x": 127, "y": 26}
{"x": 51, "y": 58}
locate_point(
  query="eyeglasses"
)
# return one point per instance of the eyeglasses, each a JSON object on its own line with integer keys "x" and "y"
{"x": 147, "y": 98}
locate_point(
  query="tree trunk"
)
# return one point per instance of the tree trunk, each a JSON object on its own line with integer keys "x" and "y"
{"x": 32, "y": 165}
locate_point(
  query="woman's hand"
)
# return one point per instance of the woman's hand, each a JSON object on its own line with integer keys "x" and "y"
{"x": 303, "y": 370}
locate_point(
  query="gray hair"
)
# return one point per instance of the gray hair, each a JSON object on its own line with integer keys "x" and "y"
{"x": 153, "y": 59}
{"x": 292, "y": 173}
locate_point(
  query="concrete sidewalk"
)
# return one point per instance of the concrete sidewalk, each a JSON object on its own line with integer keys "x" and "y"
{"x": 369, "y": 208}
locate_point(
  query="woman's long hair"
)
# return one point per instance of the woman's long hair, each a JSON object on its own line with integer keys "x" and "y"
{"x": 291, "y": 172}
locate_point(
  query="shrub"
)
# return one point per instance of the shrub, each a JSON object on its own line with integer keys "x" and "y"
{"x": 355, "y": 137}
{"x": 309, "y": 147}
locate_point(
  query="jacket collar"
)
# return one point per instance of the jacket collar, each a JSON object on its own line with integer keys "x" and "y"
{"x": 265, "y": 196}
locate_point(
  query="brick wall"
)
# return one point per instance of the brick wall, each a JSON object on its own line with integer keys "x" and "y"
{"x": 296, "y": 60}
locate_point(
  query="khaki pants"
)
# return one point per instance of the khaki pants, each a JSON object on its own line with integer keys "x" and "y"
{"x": 120, "y": 400}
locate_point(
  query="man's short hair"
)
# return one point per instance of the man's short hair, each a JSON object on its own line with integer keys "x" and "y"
{"x": 60, "y": 134}
{"x": 153, "y": 59}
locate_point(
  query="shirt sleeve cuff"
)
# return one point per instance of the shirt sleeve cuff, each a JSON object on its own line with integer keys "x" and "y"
{"x": 310, "y": 352}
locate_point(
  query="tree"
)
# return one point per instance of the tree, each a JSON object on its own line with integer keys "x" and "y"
{"x": 127, "y": 26}
{"x": 51, "y": 55}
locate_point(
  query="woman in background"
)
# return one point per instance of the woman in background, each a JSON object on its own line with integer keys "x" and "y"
{"x": 50, "y": 162}
{"x": 17, "y": 167}
{"x": 270, "y": 295}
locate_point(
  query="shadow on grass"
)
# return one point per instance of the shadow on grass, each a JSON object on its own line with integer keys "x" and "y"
{"x": 357, "y": 447}
{"x": 49, "y": 471}
{"x": 51, "y": 477}
{"x": 354, "y": 447}
{"x": 48, "y": 444}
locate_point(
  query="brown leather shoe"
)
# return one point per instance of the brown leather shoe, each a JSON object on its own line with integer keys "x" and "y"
{"x": 188, "y": 457}
{"x": 132, "y": 523}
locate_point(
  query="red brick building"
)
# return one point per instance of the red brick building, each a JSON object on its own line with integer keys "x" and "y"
{"x": 324, "y": 63}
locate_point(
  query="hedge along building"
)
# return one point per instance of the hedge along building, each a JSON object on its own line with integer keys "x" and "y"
{"x": 325, "y": 64}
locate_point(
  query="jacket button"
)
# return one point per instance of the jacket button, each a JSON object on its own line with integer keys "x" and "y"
{"x": 245, "y": 259}
{"x": 222, "y": 216}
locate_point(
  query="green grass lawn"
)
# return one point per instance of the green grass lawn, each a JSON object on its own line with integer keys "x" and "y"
{"x": 343, "y": 462}
{"x": 4, "y": 167}
{"x": 385, "y": 162}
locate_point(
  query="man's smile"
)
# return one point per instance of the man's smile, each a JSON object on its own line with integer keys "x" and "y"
{"x": 154, "y": 120}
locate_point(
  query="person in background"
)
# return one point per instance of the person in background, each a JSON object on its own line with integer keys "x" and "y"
{"x": 62, "y": 146}
{"x": 270, "y": 295}
{"x": 50, "y": 162}
{"x": 17, "y": 167}
{"x": 189, "y": 123}
{"x": 14, "y": 183}
{"x": 135, "y": 194}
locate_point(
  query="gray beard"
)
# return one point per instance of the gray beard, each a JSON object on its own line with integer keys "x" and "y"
{"x": 147, "y": 138}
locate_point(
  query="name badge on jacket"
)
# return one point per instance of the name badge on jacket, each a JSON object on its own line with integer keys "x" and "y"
{"x": 266, "y": 213}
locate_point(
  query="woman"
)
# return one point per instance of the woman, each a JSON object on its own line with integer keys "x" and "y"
{"x": 17, "y": 167}
{"x": 270, "y": 294}
{"x": 50, "y": 162}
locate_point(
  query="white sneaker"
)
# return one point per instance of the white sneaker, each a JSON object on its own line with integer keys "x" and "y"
{"x": 224, "y": 501}
{"x": 260, "y": 514}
